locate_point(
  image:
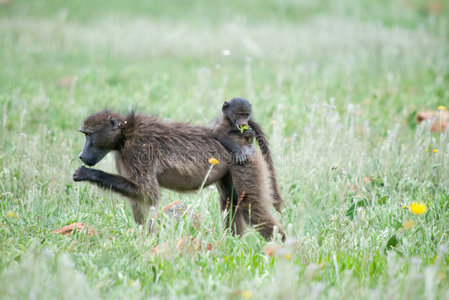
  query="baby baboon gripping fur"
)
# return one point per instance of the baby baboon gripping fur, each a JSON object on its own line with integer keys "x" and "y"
{"x": 229, "y": 129}
{"x": 152, "y": 154}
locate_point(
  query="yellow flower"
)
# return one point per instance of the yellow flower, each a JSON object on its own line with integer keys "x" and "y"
{"x": 408, "y": 224}
{"x": 442, "y": 107}
{"x": 287, "y": 256}
{"x": 427, "y": 150}
{"x": 434, "y": 150}
{"x": 11, "y": 214}
{"x": 247, "y": 294}
{"x": 213, "y": 161}
{"x": 418, "y": 208}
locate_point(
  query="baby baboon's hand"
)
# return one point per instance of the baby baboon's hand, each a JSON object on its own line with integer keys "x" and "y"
{"x": 249, "y": 133}
{"x": 239, "y": 157}
{"x": 81, "y": 174}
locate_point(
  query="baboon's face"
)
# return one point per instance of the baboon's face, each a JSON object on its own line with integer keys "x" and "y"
{"x": 238, "y": 111}
{"x": 102, "y": 134}
{"x": 91, "y": 153}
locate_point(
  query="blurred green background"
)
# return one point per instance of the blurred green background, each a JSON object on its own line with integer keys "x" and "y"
{"x": 167, "y": 57}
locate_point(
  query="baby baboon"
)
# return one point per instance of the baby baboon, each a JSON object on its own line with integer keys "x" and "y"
{"x": 231, "y": 129}
{"x": 235, "y": 129}
{"x": 152, "y": 154}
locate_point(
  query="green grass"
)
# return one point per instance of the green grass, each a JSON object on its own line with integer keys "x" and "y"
{"x": 335, "y": 84}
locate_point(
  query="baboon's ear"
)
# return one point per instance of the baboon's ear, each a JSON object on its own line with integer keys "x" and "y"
{"x": 114, "y": 123}
{"x": 225, "y": 106}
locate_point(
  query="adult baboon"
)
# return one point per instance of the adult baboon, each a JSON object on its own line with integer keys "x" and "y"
{"x": 231, "y": 129}
{"x": 152, "y": 154}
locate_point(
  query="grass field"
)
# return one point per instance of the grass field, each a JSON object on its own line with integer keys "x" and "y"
{"x": 336, "y": 86}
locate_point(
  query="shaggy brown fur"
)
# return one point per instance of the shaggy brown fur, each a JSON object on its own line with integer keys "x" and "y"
{"x": 226, "y": 128}
{"x": 152, "y": 154}
{"x": 263, "y": 144}
{"x": 250, "y": 197}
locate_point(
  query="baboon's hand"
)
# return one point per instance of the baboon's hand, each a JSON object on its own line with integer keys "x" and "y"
{"x": 239, "y": 157}
{"x": 249, "y": 133}
{"x": 82, "y": 173}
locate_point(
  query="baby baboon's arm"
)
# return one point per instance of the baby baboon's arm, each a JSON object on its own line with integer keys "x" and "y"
{"x": 231, "y": 146}
{"x": 105, "y": 180}
{"x": 227, "y": 142}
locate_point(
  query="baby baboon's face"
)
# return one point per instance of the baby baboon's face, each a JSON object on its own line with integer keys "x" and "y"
{"x": 238, "y": 111}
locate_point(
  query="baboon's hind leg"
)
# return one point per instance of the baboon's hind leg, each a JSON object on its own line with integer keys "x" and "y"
{"x": 233, "y": 218}
{"x": 259, "y": 216}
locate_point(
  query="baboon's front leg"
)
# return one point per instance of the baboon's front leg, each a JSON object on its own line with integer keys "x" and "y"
{"x": 141, "y": 200}
{"x": 105, "y": 180}
{"x": 140, "y": 211}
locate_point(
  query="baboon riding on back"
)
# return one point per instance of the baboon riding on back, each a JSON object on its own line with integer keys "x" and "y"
{"x": 150, "y": 154}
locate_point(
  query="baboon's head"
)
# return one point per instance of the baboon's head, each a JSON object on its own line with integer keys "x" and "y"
{"x": 238, "y": 111}
{"x": 103, "y": 131}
